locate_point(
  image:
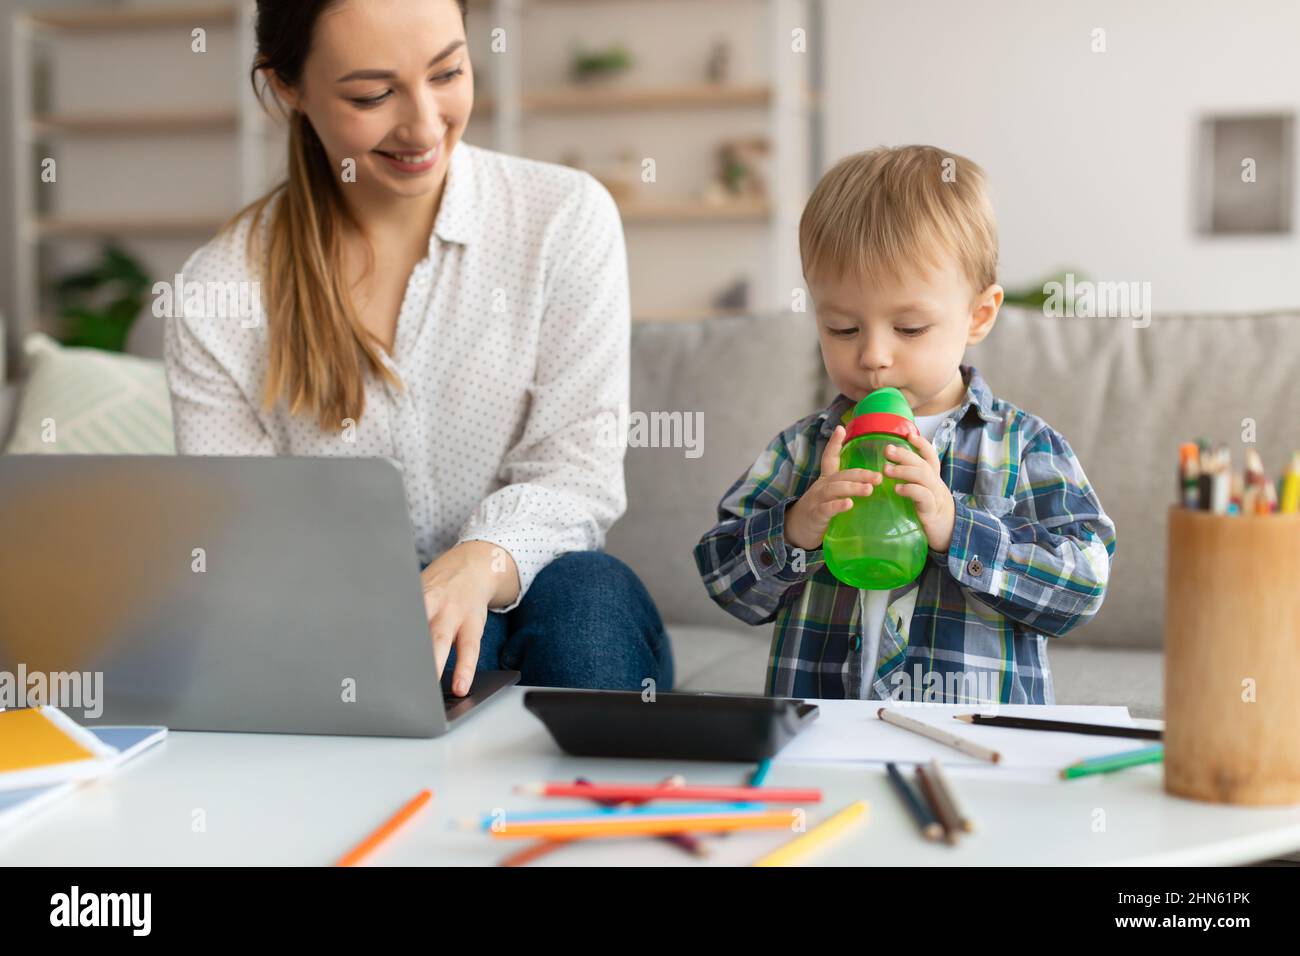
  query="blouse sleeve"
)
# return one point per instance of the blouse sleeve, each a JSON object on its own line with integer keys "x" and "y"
{"x": 564, "y": 484}
{"x": 211, "y": 414}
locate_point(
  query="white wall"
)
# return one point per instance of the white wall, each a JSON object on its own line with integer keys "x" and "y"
{"x": 1091, "y": 155}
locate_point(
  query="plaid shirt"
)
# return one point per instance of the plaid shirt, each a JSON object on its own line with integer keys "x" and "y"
{"x": 1029, "y": 558}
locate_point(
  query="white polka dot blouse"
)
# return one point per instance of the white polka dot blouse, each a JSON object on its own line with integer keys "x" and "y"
{"x": 512, "y": 341}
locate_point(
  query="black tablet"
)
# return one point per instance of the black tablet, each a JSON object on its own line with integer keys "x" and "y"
{"x": 677, "y": 726}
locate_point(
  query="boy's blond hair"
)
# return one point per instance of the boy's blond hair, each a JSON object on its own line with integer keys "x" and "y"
{"x": 887, "y": 209}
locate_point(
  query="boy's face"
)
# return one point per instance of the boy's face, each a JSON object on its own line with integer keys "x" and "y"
{"x": 910, "y": 334}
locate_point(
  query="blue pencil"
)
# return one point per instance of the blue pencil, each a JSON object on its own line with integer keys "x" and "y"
{"x": 930, "y": 827}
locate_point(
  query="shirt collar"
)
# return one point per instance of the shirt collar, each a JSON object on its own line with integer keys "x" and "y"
{"x": 978, "y": 398}
{"x": 456, "y": 219}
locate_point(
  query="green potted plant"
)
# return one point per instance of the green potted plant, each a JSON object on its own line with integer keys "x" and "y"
{"x": 98, "y": 305}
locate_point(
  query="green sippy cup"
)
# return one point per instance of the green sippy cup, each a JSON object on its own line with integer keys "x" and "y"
{"x": 879, "y": 543}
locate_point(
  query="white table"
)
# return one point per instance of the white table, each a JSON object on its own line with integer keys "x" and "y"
{"x": 270, "y": 799}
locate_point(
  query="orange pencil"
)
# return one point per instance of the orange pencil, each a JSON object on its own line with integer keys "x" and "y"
{"x": 538, "y": 850}
{"x": 387, "y": 829}
{"x": 645, "y": 826}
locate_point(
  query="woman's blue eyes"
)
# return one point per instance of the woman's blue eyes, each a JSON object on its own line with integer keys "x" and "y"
{"x": 376, "y": 100}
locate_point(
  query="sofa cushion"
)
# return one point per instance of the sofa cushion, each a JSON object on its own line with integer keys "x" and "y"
{"x": 90, "y": 402}
{"x": 1125, "y": 397}
{"x": 744, "y": 379}
{"x": 721, "y": 659}
{"x": 1106, "y": 675}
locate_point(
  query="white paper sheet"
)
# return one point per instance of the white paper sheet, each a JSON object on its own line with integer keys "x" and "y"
{"x": 848, "y": 731}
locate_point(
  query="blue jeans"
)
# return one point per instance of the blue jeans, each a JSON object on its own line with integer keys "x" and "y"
{"x": 586, "y": 621}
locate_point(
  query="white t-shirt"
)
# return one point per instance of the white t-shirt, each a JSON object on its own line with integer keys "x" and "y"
{"x": 512, "y": 341}
{"x": 873, "y": 613}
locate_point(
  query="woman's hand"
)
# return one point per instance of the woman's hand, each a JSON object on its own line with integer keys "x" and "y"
{"x": 459, "y": 587}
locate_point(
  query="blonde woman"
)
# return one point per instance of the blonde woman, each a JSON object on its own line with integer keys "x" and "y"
{"x": 458, "y": 311}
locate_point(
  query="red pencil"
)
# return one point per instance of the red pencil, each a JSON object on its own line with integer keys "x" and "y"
{"x": 639, "y": 791}
{"x": 542, "y": 847}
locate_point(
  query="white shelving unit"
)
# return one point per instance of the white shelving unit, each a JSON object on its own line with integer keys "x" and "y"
{"x": 241, "y": 122}
{"x": 787, "y": 97}
{"x": 784, "y": 98}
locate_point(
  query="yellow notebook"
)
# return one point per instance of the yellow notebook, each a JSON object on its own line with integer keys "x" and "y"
{"x": 41, "y": 746}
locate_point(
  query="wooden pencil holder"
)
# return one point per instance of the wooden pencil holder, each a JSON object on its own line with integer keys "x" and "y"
{"x": 1232, "y": 657}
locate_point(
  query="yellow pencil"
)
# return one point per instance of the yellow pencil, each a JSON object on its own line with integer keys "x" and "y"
{"x": 1290, "y": 496}
{"x": 818, "y": 837}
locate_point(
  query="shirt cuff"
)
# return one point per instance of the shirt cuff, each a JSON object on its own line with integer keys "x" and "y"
{"x": 976, "y": 553}
{"x": 769, "y": 556}
{"x": 529, "y": 556}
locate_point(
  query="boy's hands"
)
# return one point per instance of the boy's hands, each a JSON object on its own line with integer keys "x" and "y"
{"x": 919, "y": 478}
{"x": 831, "y": 493}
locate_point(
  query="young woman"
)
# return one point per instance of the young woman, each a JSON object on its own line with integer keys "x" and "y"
{"x": 458, "y": 311}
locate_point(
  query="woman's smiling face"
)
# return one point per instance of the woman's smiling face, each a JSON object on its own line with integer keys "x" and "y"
{"x": 388, "y": 85}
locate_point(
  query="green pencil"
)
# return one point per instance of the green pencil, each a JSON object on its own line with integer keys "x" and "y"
{"x": 1119, "y": 761}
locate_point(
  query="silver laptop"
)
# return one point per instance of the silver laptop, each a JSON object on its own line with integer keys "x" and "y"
{"x": 274, "y": 595}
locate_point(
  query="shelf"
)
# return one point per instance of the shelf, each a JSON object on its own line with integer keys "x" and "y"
{"x": 60, "y": 227}
{"x": 704, "y": 95}
{"x": 134, "y": 18}
{"x": 693, "y": 210}
{"x": 93, "y": 124}
{"x": 613, "y": 98}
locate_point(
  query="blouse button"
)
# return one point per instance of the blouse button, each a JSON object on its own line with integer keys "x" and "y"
{"x": 975, "y": 568}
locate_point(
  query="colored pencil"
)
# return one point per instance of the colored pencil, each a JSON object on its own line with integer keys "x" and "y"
{"x": 760, "y": 773}
{"x": 683, "y": 840}
{"x": 940, "y": 804}
{"x": 387, "y": 829}
{"x": 535, "y": 851}
{"x": 610, "y": 812}
{"x": 647, "y": 826}
{"x": 1113, "y": 762}
{"x": 1062, "y": 726}
{"x": 930, "y": 827}
{"x": 939, "y": 736}
{"x": 1289, "y": 492}
{"x": 620, "y": 791}
{"x": 542, "y": 847}
{"x": 818, "y": 837}
{"x": 967, "y": 824}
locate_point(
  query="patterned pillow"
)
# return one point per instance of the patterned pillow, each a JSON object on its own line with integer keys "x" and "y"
{"x": 87, "y": 401}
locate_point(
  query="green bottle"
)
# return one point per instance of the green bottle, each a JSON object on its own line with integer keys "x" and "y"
{"x": 879, "y": 543}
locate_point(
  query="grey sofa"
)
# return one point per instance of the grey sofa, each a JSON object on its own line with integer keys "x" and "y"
{"x": 1123, "y": 396}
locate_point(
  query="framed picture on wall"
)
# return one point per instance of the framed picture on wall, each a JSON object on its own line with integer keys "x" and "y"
{"x": 1246, "y": 174}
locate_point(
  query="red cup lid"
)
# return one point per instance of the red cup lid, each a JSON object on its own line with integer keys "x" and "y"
{"x": 882, "y": 423}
